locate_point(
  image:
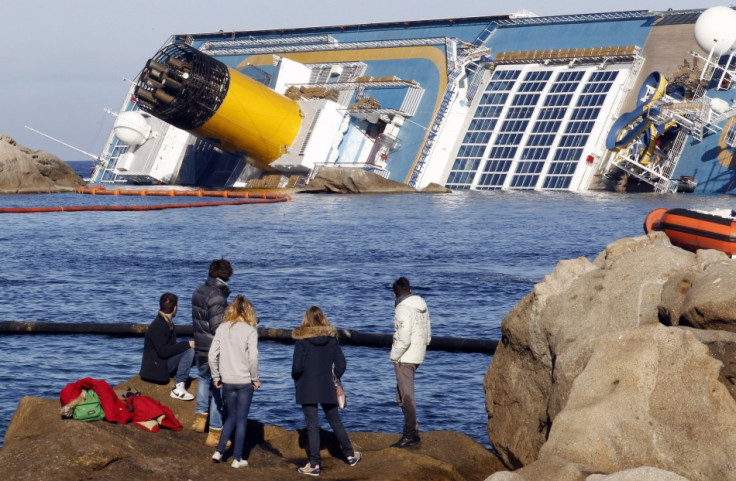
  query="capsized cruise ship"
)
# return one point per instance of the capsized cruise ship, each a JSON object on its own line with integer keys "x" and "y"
{"x": 631, "y": 100}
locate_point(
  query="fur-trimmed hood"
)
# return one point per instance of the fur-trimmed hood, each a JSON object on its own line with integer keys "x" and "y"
{"x": 315, "y": 331}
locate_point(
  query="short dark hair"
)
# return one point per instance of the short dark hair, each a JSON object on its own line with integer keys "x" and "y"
{"x": 401, "y": 286}
{"x": 221, "y": 268}
{"x": 168, "y": 302}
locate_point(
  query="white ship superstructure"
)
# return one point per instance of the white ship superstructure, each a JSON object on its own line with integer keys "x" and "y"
{"x": 513, "y": 102}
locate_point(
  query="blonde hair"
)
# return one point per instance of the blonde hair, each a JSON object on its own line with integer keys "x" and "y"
{"x": 314, "y": 317}
{"x": 240, "y": 310}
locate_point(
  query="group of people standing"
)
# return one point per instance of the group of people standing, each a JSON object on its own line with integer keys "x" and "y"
{"x": 225, "y": 351}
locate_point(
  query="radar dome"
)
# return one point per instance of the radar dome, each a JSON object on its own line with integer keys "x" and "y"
{"x": 132, "y": 128}
{"x": 715, "y": 30}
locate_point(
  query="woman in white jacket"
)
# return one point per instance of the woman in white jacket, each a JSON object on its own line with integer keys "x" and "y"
{"x": 233, "y": 360}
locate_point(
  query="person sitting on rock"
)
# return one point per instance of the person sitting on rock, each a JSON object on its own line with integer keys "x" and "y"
{"x": 163, "y": 355}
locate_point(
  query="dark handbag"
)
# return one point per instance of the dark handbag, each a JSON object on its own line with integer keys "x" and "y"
{"x": 342, "y": 399}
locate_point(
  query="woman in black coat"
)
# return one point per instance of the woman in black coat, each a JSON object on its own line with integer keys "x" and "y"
{"x": 315, "y": 353}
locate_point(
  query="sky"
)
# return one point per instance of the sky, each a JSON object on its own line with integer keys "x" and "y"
{"x": 63, "y": 63}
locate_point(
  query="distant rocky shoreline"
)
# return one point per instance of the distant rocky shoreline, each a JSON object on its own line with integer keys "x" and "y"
{"x": 26, "y": 171}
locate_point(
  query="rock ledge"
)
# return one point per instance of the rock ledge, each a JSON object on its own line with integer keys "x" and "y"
{"x": 40, "y": 445}
{"x": 26, "y": 171}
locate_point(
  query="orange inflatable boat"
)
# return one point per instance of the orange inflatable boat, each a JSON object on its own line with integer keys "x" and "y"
{"x": 693, "y": 230}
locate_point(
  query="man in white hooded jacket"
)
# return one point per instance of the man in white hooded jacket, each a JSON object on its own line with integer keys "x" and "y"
{"x": 412, "y": 333}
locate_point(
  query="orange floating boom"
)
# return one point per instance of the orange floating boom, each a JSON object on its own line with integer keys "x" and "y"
{"x": 119, "y": 208}
{"x": 101, "y": 190}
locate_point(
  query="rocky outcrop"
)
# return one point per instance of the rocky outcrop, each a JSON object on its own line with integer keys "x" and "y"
{"x": 344, "y": 180}
{"x": 40, "y": 445}
{"x": 434, "y": 188}
{"x": 620, "y": 369}
{"x": 26, "y": 171}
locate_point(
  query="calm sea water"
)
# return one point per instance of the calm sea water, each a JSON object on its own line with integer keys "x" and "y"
{"x": 471, "y": 255}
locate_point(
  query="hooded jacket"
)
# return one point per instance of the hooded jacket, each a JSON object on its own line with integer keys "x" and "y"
{"x": 208, "y": 306}
{"x": 315, "y": 353}
{"x": 412, "y": 330}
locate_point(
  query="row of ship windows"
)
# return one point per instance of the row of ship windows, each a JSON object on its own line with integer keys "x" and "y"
{"x": 555, "y": 100}
{"x": 487, "y": 124}
{"x": 506, "y": 79}
{"x": 564, "y": 161}
{"x": 480, "y": 130}
{"x": 564, "y": 87}
{"x": 510, "y": 126}
{"x": 568, "y": 140}
{"x": 496, "y": 181}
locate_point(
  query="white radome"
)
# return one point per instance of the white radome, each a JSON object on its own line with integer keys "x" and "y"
{"x": 132, "y": 128}
{"x": 715, "y": 30}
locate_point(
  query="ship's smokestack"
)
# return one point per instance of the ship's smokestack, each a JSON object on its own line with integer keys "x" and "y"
{"x": 199, "y": 94}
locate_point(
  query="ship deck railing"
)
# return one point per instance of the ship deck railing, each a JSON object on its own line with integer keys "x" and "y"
{"x": 565, "y": 55}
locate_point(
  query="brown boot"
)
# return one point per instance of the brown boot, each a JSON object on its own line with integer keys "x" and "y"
{"x": 213, "y": 438}
{"x": 200, "y": 422}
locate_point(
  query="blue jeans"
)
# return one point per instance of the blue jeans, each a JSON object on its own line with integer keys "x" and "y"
{"x": 182, "y": 364}
{"x": 209, "y": 399}
{"x": 237, "y": 404}
{"x": 333, "y": 417}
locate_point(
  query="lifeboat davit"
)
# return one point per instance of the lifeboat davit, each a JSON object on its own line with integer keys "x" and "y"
{"x": 693, "y": 230}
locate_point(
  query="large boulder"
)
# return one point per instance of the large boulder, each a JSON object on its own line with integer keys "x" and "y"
{"x": 26, "y": 171}
{"x": 345, "y": 180}
{"x": 595, "y": 374}
{"x": 40, "y": 445}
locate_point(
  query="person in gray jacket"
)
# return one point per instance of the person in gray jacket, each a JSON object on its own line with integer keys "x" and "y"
{"x": 233, "y": 360}
{"x": 412, "y": 333}
{"x": 208, "y": 306}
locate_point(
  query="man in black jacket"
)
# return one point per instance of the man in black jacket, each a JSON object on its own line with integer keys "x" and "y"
{"x": 163, "y": 355}
{"x": 208, "y": 305}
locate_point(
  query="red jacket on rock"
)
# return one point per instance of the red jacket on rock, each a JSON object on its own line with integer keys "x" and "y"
{"x": 144, "y": 411}
{"x": 114, "y": 408}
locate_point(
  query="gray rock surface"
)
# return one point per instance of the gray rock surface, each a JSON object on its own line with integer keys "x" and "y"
{"x": 596, "y": 374}
{"x": 343, "y": 180}
{"x": 26, "y": 171}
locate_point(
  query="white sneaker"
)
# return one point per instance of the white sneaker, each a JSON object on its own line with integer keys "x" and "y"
{"x": 180, "y": 392}
{"x": 239, "y": 463}
{"x": 217, "y": 457}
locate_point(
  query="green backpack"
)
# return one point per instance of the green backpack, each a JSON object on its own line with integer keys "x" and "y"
{"x": 90, "y": 409}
